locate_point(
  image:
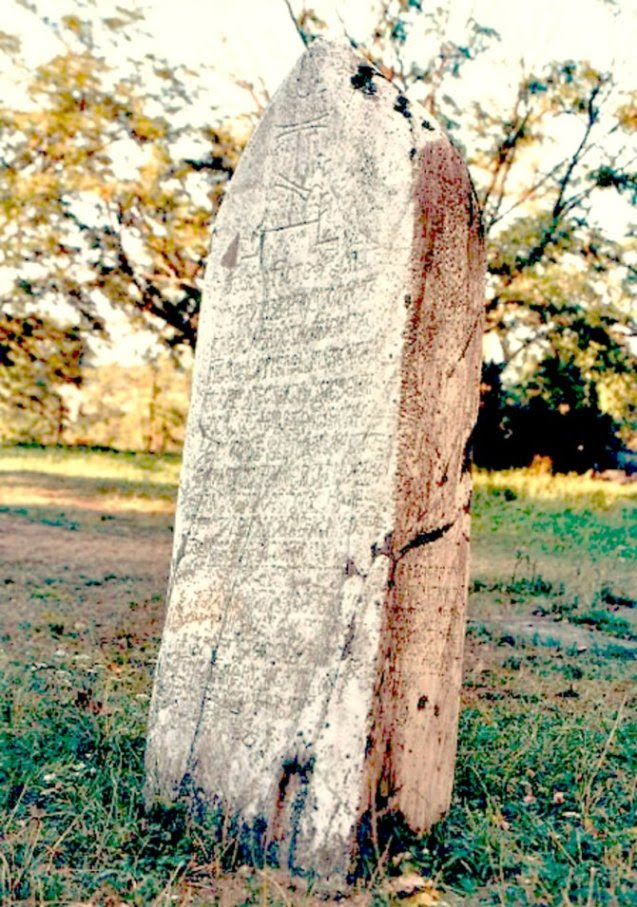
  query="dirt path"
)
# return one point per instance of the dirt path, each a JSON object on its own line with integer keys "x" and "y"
{"x": 512, "y": 630}
{"x": 98, "y": 580}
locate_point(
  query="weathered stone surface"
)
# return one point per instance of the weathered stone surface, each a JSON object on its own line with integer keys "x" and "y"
{"x": 310, "y": 662}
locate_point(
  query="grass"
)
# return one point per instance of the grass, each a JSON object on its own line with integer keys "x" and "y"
{"x": 143, "y": 469}
{"x": 569, "y": 543}
{"x": 543, "y": 808}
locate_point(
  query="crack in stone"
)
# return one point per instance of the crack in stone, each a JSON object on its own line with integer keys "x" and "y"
{"x": 349, "y": 639}
{"x": 418, "y": 541}
{"x": 425, "y": 538}
{"x": 190, "y": 759}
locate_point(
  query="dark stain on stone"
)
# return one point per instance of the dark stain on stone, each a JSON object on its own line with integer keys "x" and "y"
{"x": 422, "y": 702}
{"x": 402, "y": 106}
{"x": 350, "y": 568}
{"x": 412, "y": 153}
{"x": 290, "y": 768}
{"x": 427, "y": 125}
{"x": 436, "y": 710}
{"x": 231, "y": 255}
{"x": 363, "y": 79}
{"x": 292, "y": 795}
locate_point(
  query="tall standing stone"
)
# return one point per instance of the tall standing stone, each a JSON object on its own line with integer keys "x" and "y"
{"x": 310, "y": 665}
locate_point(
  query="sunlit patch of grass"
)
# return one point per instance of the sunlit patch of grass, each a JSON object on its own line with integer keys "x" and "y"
{"x": 19, "y": 499}
{"x": 552, "y": 514}
{"x": 567, "y": 490}
{"x": 553, "y": 545}
{"x": 35, "y": 480}
{"x": 148, "y": 469}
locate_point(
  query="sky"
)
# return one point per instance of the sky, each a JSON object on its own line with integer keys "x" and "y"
{"x": 254, "y": 40}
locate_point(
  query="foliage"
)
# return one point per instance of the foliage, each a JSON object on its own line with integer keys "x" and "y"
{"x": 561, "y": 291}
{"x": 100, "y": 201}
{"x": 38, "y": 361}
{"x": 48, "y": 397}
{"x": 108, "y": 190}
{"x": 556, "y": 415}
{"x": 140, "y": 407}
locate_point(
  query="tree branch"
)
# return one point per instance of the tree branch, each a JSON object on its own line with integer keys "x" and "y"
{"x": 579, "y": 151}
{"x": 304, "y": 38}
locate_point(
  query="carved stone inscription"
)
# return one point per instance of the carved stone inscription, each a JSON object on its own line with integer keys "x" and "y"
{"x": 283, "y": 559}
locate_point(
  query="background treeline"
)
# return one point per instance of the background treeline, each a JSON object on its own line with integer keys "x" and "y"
{"x": 111, "y": 178}
{"x": 137, "y": 407}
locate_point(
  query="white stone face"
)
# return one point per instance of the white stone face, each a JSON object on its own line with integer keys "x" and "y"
{"x": 279, "y": 576}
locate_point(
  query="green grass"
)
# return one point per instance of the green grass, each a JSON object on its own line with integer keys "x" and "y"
{"x": 560, "y": 516}
{"x": 541, "y": 811}
{"x": 542, "y": 805}
{"x": 543, "y": 808}
{"x": 563, "y": 545}
{"x": 73, "y": 742}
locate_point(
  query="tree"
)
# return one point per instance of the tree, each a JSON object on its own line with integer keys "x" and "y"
{"x": 86, "y": 228}
{"x": 38, "y": 361}
{"x": 561, "y": 293}
{"x": 99, "y": 207}
{"x": 561, "y": 284}
{"x": 138, "y": 407}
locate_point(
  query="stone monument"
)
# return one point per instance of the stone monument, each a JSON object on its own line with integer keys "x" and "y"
{"x": 310, "y": 664}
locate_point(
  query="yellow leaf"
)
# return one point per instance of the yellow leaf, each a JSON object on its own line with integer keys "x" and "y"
{"x": 425, "y": 898}
{"x": 413, "y": 890}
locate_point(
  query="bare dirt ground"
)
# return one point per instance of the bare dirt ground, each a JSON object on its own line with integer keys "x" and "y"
{"x": 75, "y": 559}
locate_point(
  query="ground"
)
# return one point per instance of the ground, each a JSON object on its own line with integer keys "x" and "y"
{"x": 544, "y": 790}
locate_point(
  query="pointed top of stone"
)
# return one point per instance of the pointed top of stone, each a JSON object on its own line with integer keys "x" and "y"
{"x": 342, "y": 69}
